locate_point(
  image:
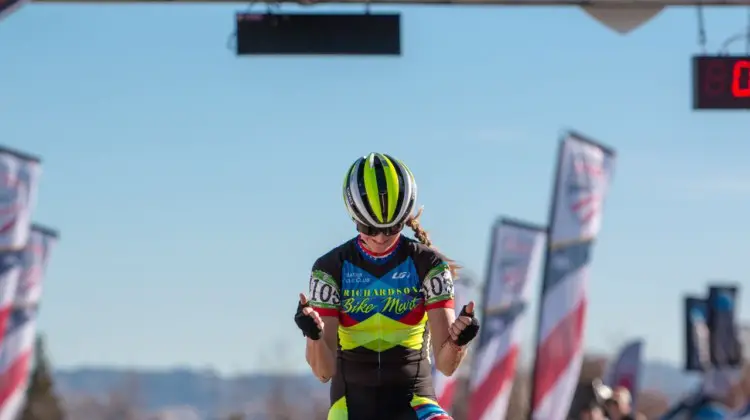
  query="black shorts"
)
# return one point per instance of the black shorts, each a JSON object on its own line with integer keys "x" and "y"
{"x": 383, "y": 403}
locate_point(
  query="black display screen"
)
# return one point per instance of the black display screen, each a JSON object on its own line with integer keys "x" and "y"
{"x": 721, "y": 82}
{"x": 319, "y": 34}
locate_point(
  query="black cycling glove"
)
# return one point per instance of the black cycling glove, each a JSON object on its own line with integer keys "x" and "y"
{"x": 306, "y": 323}
{"x": 470, "y": 331}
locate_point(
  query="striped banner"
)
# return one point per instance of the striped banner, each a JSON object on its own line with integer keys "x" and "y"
{"x": 19, "y": 183}
{"x": 445, "y": 386}
{"x": 697, "y": 359}
{"x": 34, "y": 263}
{"x": 583, "y": 177}
{"x": 17, "y": 348}
{"x": 697, "y": 351}
{"x": 10, "y": 276}
{"x": 515, "y": 257}
{"x": 724, "y": 338}
{"x": 16, "y": 356}
{"x": 626, "y": 369}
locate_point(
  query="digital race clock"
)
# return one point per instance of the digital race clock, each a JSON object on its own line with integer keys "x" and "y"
{"x": 721, "y": 82}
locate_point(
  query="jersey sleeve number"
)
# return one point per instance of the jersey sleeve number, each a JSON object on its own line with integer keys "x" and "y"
{"x": 323, "y": 293}
{"x": 439, "y": 287}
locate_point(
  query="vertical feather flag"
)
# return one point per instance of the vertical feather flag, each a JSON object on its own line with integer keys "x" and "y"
{"x": 626, "y": 369}
{"x": 19, "y": 183}
{"x": 583, "y": 177}
{"x": 516, "y": 253}
{"x": 17, "y": 348}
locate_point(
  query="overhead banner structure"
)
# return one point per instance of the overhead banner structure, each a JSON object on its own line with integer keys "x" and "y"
{"x": 697, "y": 351}
{"x": 584, "y": 172}
{"x": 9, "y": 6}
{"x": 724, "y": 344}
{"x": 623, "y": 20}
{"x": 626, "y": 369}
{"x": 516, "y": 253}
{"x": 616, "y": 4}
{"x": 17, "y": 348}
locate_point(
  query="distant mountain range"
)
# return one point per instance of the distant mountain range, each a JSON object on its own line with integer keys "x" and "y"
{"x": 208, "y": 393}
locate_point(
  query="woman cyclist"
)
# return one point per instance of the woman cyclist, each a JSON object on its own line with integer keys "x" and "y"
{"x": 370, "y": 300}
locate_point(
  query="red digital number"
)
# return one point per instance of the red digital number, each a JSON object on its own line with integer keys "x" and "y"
{"x": 715, "y": 78}
{"x": 741, "y": 74}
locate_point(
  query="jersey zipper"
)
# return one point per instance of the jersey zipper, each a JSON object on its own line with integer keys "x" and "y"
{"x": 380, "y": 349}
{"x": 380, "y": 366}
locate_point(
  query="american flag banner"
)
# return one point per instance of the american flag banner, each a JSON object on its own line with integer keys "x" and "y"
{"x": 10, "y": 274}
{"x": 17, "y": 347}
{"x": 626, "y": 369}
{"x": 16, "y": 355}
{"x": 19, "y": 182}
{"x": 515, "y": 257}
{"x": 583, "y": 176}
{"x": 445, "y": 386}
{"x": 34, "y": 262}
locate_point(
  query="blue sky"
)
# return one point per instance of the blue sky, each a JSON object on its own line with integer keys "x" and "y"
{"x": 194, "y": 189}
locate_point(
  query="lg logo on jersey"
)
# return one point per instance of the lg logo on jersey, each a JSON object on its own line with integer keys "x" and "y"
{"x": 401, "y": 275}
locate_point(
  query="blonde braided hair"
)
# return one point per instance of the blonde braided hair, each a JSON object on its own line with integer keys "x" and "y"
{"x": 424, "y": 238}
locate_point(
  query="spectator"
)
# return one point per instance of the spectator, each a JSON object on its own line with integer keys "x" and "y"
{"x": 619, "y": 406}
{"x": 591, "y": 412}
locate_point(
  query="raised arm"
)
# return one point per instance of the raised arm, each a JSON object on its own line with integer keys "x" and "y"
{"x": 437, "y": 288}
{"x": 445, "y": 329}
{"x": 325, "y": 301}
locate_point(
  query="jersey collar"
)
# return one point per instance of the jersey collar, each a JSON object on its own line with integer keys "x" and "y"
{"x": 375, "y": 256}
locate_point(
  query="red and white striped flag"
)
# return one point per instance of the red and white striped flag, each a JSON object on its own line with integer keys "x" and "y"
{"x": 445, "y": 386}
{"x": 10, "y": 274}
{"x": 583, "y": 176}
{"x": 17, "y": 348}
{"x": 16, "y": 355}
{"x": 35, "y": 258}
{"x": 515, "y": 257}
{"x": 19, "y": 182}
{"x": 19, "y": 179}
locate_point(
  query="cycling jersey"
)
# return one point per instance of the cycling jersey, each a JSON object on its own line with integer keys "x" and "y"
{"x": 381, "y": 302}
